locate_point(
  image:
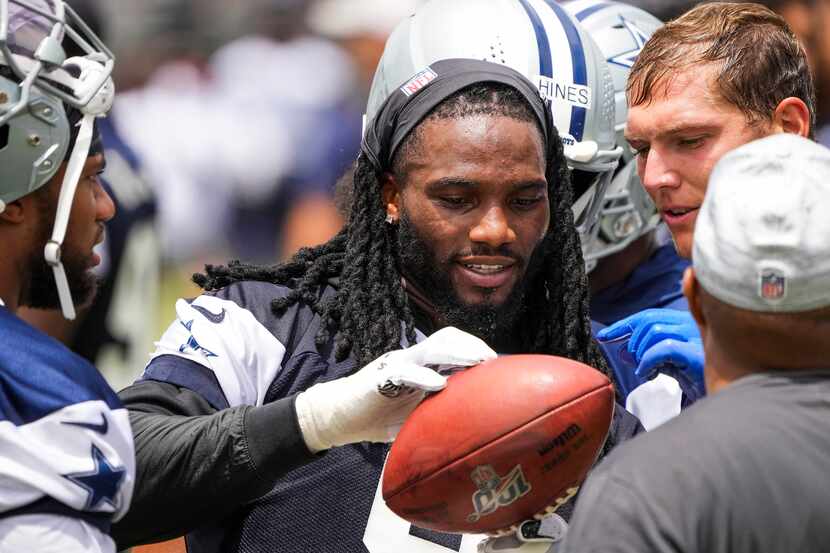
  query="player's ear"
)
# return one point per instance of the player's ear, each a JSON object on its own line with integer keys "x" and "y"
{"x": 792, "y": 116}
{"x": 691, "y": 289}
{"x": 14, "y": 212}
{"x": 390, "y": 192}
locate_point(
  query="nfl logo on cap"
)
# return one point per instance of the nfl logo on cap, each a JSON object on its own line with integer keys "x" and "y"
{"x": 773, "y": 285}
{"x": 761, "y": 237}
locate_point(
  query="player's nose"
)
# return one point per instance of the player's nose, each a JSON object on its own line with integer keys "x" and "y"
{"x": 104, "y": 204}
{"x": 656, "y": 173}
{"x": 493, "y": 228}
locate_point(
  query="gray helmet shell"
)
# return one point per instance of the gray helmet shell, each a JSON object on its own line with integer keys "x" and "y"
{"x": 34, "y": 142}
{"x": 36, "y": 87}
{"x": 620, "y": 31}
{"x": 539, "y": 40}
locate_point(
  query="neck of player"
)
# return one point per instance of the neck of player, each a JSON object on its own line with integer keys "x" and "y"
{"x": 10, "y": 282}
{"x": 734, "y": 353}
{"x": 616, "y": 267}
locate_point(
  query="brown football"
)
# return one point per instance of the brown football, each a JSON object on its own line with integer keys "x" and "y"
{"x": 505, "y": 440}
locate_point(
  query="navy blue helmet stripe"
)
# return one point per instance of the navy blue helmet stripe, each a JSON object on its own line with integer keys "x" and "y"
{"x": 545, "y": 62}
{"x": 578, "y": 114}
{"x": 588, "y": 11}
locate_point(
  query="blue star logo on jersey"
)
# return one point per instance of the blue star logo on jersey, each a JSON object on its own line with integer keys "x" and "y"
{"x": 102, "y": 482}
{"x": 193, "y": 344}
{"x": 627, "y": 59}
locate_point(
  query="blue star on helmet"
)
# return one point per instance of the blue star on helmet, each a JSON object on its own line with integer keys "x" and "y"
{"x": 627, "y": 59}
{"x": 101, "y": 483}
{"x": 192, "y": 344}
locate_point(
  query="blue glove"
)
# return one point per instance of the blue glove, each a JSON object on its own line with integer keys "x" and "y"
{"x": 663, "y": 341}
{"x": 683, "y": 361}
{"x": 649, "y": 327}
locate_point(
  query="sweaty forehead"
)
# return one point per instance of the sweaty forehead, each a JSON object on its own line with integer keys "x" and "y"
{"x": 699, "y": 81}
{"x": 476, "y": 140}
{"x": 475, "y": 132}
{"x": 688, "y": 97}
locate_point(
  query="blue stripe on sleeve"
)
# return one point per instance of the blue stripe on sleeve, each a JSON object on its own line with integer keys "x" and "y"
{"x": 188, "y": 374}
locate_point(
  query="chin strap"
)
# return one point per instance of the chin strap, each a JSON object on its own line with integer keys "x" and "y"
{"x": 52, "y": 252}
{"x": 94, "y": 83}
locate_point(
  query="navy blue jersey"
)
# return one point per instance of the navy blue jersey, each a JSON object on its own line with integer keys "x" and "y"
{"x": 66, "y": 447}
{"x": 232, "y": 350}
{"x": 655, "y": 283}
{"x": 116, "y": 333}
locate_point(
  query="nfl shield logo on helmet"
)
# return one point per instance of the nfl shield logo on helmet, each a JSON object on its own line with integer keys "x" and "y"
{"x": 419, "y": 81}
{"x": 773, "y": 286}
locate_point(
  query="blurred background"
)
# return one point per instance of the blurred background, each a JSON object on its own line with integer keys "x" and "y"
{"x": 233, "y": 121}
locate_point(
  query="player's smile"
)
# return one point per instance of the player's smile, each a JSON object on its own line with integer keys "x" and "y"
{"x": 679, "y": 218}
{"x": 488, "y": 272}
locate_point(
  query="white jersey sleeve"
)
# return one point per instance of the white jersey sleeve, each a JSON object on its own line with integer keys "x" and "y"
{"x": 227, "y": 340}
{"x": 66, "y": 445}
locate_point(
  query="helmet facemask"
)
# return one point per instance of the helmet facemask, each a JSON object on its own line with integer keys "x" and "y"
{"x": 626, "y": 213}
{"x": 38, "y": 83}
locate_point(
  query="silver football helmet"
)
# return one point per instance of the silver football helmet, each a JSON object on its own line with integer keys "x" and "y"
{"x": 538, "y": 39}
{"x": 41, "y": 91}
{"x": 620, "y": 31}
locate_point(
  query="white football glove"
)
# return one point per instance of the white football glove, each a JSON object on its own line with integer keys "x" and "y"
{"x": 532, "y": 536}
{"x": 372, "y": 404}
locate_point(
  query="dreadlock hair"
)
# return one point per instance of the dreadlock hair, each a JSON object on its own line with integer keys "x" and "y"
{"x": 365, "y": 315}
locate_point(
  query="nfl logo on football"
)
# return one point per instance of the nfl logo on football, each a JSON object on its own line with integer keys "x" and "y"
{"x": 495, "y": 491}
{"x": 773, "y": 285}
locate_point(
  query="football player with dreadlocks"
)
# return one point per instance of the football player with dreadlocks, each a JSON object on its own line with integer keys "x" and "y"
{"x": 67, "y": 464}
{"x": 461, "y": 214}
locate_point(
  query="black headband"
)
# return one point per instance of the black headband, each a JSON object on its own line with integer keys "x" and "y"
{"x": 408, "y": 105}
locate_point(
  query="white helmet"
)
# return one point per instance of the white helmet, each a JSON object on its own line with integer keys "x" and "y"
{"x": 627, "y": 212}
{"x": 41, "y": 92}
{"x": 541, "y": 41}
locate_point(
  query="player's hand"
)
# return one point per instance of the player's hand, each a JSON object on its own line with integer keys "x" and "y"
{"x": 532, "y": 536}
{"x": 663, "y": 341}
{"x": 372, "y": 404}
{"x": 683, "y": 361}
{"x": 648, "y": 327}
